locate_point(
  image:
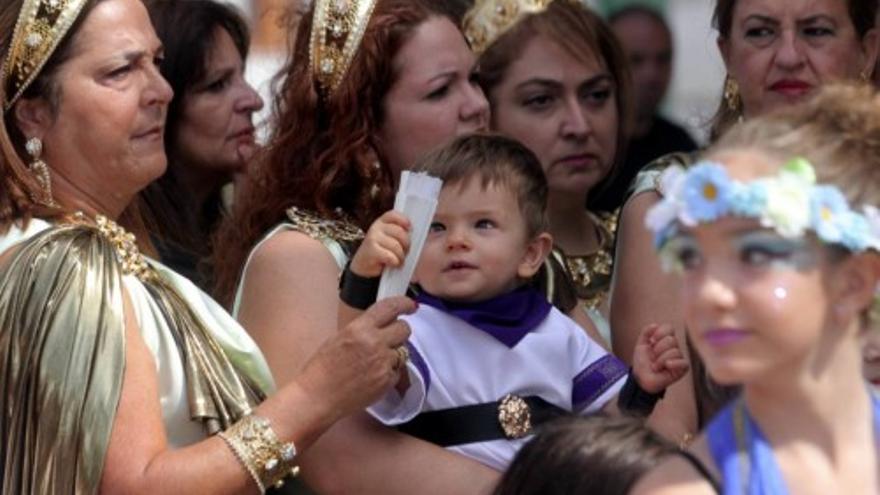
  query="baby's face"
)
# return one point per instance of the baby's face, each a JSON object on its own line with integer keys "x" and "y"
{"x": 476, "y": 245}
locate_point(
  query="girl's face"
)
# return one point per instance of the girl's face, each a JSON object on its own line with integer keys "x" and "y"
{"x": 754, "y": 301}
{"x": 563, "y": 109}
{"x": 756, "y": 304}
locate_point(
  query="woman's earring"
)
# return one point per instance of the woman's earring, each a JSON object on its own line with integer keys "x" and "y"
{"x": 377, "y": 174}
{"x": 731, "y": 94}
{"x": 34, "y": 148}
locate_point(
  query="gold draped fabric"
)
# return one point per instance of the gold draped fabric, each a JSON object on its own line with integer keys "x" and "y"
{"x": 62, "y": 360}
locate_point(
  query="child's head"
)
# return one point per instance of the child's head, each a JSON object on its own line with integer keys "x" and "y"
{"x": 579, "y": 455}
{"x": 779, "y": 260}
{"x": 489, "y": 230}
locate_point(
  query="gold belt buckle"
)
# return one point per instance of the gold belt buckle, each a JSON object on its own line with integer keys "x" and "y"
{"x": 514, "y": 417}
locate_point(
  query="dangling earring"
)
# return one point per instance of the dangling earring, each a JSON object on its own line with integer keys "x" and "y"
{"x": 376, "y": 176}
{"x": 34, "y": 148}
{"x": 731, "y": 94}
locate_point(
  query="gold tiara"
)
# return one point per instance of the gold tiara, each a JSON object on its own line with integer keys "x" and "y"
{"x": 41, "y": 26}
{"x": 487, "y": 20}
{"x": 337, "y": 29}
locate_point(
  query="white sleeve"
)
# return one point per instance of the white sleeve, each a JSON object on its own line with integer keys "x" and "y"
{"x": 598, "y": 375}
{"x": 394, "y": 409}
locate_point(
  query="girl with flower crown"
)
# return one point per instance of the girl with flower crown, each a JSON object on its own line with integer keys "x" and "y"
{"x": 776, "y": 242}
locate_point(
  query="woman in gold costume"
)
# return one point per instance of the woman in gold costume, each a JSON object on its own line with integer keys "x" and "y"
{"x": 370, "y": 86}
{"x": 557, "y": 81}
{"x": 120, "y": 376}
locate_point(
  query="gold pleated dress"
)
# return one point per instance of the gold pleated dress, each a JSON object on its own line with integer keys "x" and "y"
{"x": 62, "y": 355}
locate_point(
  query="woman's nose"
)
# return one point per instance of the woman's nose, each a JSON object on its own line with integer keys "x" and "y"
{"x": 250, "y": 100}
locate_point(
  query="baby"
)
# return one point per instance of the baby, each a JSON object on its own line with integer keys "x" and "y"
{"x": 490, "y": 357}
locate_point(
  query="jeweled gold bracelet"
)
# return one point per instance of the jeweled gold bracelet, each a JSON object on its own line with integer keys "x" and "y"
{"x": 256, "y": 446}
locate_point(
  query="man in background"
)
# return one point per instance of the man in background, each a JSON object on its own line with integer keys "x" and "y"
{"x": 647, "y": 42}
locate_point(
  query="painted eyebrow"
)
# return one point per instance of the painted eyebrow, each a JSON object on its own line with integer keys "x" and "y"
{"x": 449, "y": 74}
{"x": 761, "y": 18}
{"x": 813, "y": 19}
{"x": 807, "y": 20}
{"x": 597, "y": 80}
{"x": 552, "y": 84}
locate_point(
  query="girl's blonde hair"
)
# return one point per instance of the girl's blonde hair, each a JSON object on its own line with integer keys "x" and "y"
{"x": 838, "y": 131}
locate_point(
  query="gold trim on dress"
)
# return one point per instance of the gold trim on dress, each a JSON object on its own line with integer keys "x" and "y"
{"x": 318, "y": 227}
{"x": 41, "y": 26}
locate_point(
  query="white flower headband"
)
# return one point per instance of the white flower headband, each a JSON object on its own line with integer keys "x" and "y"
{"x": 790, "y": 203}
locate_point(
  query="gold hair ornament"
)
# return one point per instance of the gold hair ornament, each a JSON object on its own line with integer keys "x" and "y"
{"x": 488, "y": 20}
{"x": 338, "y": 27}
{"x": 41, "y": 26}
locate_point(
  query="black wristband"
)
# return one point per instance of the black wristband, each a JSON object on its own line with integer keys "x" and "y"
{"x": 633, "y": 399}
{"x": 356, "y": 291}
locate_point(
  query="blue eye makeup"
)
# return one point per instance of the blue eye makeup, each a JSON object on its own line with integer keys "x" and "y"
{"x": 766, "y": 249}
{"x": 681, "y": 253}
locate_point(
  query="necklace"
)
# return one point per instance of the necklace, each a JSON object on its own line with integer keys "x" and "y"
{"x": 591, "y": 273}
{"x": 124, "y": 244}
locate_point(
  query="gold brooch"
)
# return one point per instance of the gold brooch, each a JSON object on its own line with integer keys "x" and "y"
{"x": 514, "y": 417}
{"x": 337, "y": 29}
{"x": 40, "y": 27}
{"x": 487, "y": 20}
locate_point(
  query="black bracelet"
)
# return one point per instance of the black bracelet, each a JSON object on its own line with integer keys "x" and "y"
{"x": 356, "y": 291}
{"x": 633, "y": 399}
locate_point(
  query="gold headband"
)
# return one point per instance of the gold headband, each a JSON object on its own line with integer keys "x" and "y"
{"x": 338, "y": 27}
{"x": 41, "y": 26}
{"x": 487, "y": 20}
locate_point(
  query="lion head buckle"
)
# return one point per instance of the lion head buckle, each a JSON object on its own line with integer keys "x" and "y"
{"x": 514, "y": 417}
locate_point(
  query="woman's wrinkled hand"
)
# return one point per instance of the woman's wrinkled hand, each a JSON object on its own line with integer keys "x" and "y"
{"x": 357, "y": 365}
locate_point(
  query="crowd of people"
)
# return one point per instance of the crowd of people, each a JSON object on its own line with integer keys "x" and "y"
{"x": 600, "y": 306}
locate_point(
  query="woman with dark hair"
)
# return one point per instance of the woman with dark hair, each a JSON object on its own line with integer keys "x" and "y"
{"x": 119, "y": 375}
{"x": 777, "y": 53}
{"x": 209, "y": 134}
{"x": 557, "y": 81}
{"x": 370, "y": 86}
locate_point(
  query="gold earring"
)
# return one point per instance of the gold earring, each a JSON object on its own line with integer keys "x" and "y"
{"x": 34, "y": 148}
{"x": 731, "y": 94}
{"x": 376, "y": 175}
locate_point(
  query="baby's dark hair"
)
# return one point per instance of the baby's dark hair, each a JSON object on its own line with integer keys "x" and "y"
{"x": 594, "y": 454}
{"x": 495, "y": 160}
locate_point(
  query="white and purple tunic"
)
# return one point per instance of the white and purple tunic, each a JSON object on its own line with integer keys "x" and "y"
{"x": 454, "y": 364}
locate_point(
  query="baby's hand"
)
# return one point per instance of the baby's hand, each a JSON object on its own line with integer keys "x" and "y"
{"x": 658, "y": 360}
{"x": 385, "y": 245}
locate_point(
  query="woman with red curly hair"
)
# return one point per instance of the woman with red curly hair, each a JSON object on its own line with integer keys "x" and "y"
{"x": 386, "y": 80}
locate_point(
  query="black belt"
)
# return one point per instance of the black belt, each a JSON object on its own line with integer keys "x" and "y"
{"x": 512, "y": 417}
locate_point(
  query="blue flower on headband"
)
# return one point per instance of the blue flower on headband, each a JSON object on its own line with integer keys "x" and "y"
{"x": 706, "y": 194}
{"x": 748, "y": 200}
{"x": 789, "y": 202}
{"x": 856, "y": 232}
{"x": 828, "y": 209}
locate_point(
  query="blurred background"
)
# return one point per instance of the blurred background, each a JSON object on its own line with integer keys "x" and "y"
{"x": 697, "y": 68}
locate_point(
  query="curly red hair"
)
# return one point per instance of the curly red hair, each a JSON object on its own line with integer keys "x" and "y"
{"x": 323, "y": 152}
